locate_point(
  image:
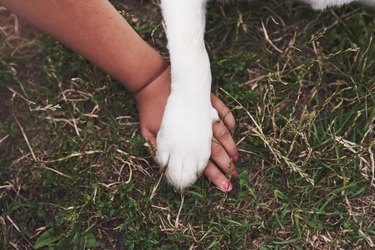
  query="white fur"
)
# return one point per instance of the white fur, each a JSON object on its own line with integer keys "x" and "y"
{"x": 184, "y": 139}
{"x": 322, "y": 4}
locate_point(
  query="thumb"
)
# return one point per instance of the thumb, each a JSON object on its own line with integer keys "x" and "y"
{"x": 149, "y": 136}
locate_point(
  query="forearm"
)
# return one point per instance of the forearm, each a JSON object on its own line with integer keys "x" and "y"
{"x": 97, "y": 31}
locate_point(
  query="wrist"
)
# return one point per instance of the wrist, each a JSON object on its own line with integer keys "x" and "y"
{"x": 146, "y": 63}
{"x": 152, "y": 79}
{"x": 158, "y": 88}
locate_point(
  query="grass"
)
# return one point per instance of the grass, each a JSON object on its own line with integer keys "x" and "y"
{"x": 75, "y": 174}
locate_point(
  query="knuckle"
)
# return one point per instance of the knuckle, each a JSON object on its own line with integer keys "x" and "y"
{"x": 222, "y": 132}
{"x": 229, "y": 120}
{"x": 216, "y": 149}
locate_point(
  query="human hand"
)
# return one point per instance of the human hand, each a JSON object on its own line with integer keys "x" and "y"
{"x": 151, "y": 103}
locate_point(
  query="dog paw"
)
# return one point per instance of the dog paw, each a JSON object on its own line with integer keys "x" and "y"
{"x": 184, "y": 141}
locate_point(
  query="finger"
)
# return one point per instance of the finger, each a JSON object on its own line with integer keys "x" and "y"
{"x": 151, "y": 142}
{"x": 222, "y": 159}
{"x": 217, "y": 177}
{"x": 222, "y": 134}
{"x": 148, "y": 136}
{"x": 224, "y": 113}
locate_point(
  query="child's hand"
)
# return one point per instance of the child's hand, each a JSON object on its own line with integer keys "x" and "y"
{"x": 151, "y": 102}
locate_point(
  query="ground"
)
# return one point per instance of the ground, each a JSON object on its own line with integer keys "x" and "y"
{"x": 75, "y": 171}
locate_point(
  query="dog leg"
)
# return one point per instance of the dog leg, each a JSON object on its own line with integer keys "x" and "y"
{"x": 184, "y": 138}
{"x": 322, "y": 4}
{"x": 368, "y": 2}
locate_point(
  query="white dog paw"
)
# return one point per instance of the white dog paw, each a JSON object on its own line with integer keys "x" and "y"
{"x": 184, "y": 141}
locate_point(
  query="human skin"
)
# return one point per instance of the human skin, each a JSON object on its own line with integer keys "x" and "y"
{"x": 98, "y": 32}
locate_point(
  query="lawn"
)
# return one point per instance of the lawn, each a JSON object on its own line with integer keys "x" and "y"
{"x": 75, "y": 172}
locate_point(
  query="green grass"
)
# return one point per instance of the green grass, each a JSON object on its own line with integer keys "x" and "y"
{"x": 304, "y": 101}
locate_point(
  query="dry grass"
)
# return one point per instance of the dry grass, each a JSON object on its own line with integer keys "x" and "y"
{"x": 75, "y": 173}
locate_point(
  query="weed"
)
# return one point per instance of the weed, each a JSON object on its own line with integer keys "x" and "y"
{"x": 74, "y": 171}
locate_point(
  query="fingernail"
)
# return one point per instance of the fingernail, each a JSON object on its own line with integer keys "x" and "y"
{"x": 235, "y": 158}
{"x": 235, "y": 173}
{"x": 226, "y": 187}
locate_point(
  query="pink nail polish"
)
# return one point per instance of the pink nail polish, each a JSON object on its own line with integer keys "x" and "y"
{"x": 226, "y": 187}
{"x": 235, "y": 173}
{"x": 230, "y": 188}
{"x": 235, "y": 158}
